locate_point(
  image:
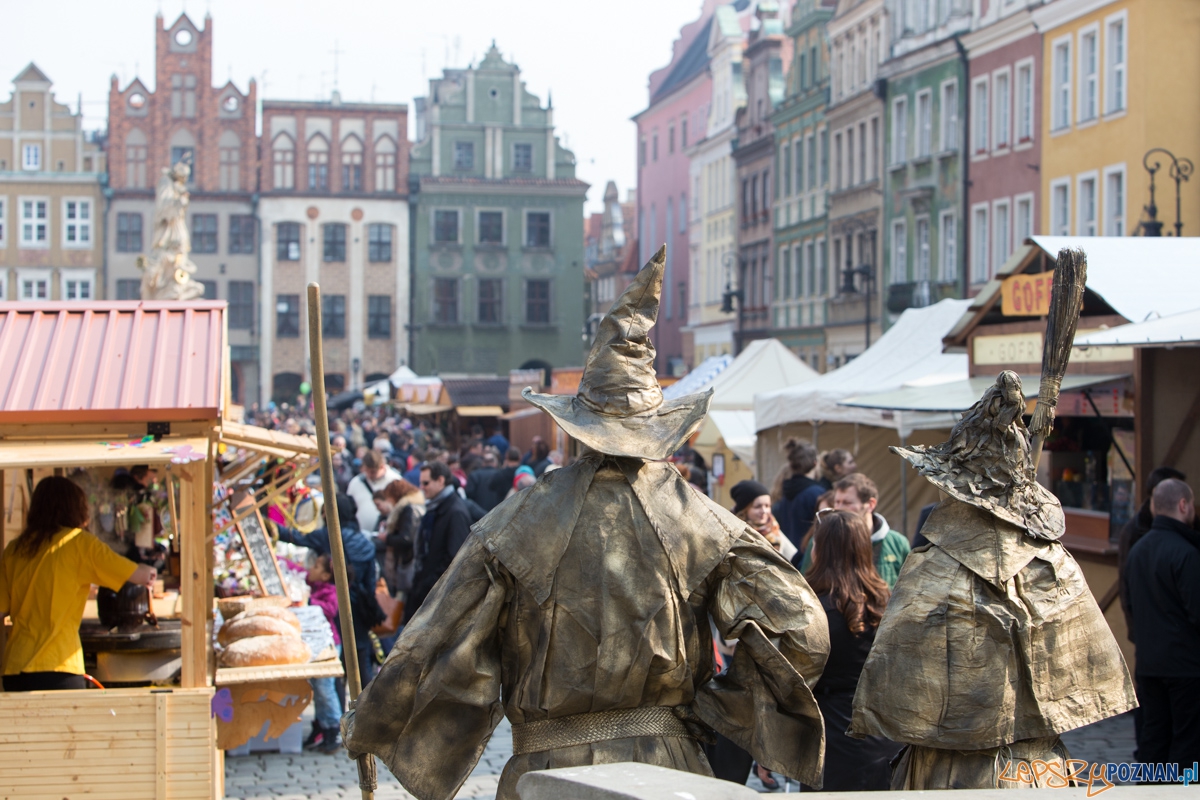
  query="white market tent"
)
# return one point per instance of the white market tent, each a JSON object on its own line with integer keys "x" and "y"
{"x": 1176, "y": 329}
{"x": 381, "y": 391}
{"x": 699, "y": 378}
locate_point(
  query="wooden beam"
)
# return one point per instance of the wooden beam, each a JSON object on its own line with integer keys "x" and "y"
{"x": 196, "y": 577}
{"x": 160, "y": 746}
{"x": 1186, "y": 426}
{"x": 1143, "y": 418}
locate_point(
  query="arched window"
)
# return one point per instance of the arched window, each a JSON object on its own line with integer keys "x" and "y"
{"x": 135, "y": 159}
{"x": 385, "y": 164}
{"x": 318, "y": 164}
{"x": 283, "y": 157}
{"x": 183, "y": 148}
{"x": 352, "y": 166}
{"x": 230, "y": 147}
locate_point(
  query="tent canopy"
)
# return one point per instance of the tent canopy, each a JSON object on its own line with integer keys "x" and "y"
{"x": 764, "y": 365}
{"x": 1177, "y": 329}
{"x": 958, "y": 396}
{"x": 910, "y": 352}
{"x": 699, "y": 378}
{"x": 735, "y": 427}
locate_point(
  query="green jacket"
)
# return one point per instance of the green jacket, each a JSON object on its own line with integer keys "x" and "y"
{"x": 890, "y": 550}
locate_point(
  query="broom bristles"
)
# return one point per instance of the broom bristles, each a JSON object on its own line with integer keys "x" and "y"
{"x": 1066, "y": 303}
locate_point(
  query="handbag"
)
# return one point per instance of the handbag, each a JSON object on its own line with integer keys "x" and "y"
{"x": 393, "y": 610}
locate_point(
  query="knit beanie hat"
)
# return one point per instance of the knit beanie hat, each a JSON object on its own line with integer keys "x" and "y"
{"x": 745, "y": 492}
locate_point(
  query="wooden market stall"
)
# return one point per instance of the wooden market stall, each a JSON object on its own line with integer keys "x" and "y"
{"x": 87, "y": 389}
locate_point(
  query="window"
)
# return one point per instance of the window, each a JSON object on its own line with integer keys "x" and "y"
{"x": 464, "y": 155}
{"x": 1025, "y": 102}
{"x": 683, "y": 132}
{"x": 1001, "y": 232}
{"x": 385, "y": 164}
{"x": 241, "y": 305}
{"x": 1023, "y": 219}
{"x": 1089, "y": 74}
{"x": 77, "y": 223}
{"x": 812, "y": 162}
{"x": 785, "y": 168}
{"x": 924, "y": 125}
{"x": 1086, "y": 206}
{"x": 785, "y": 286}
{"x": 922, "y": 272}
{"x": 77, "y": 284}
{"x": 490, "y": 290}
{"x": 798, "y": 161}
{"x": 287, "y": 316}
{"x": 129, "y": 289}
{"x": 334, "y": 238}
{"x": 849, "y": 156}
{"x": 671, "y": 139}
{"x": 537, "y": 229}
{"x": 34, "y": 286}
{"x": 445, "y": 301}
{"x": 210, "y": 289}
{"x": 537, "y": 302}
{"x": 31, "y": 157}
{"x": 3, "y": 223}
{"x": 379, "y": 243}
{"x": 683, "y": 212}
{"x": 979, "y": 131}
{"x": 654, "y": 147}
{"x": 642, "y": 152}
{"x": 1114, "y": 201}
{"x": 948, "y": 249}
{"x": 1003, "y": 109}
{"x": 287, "y": 241}
{"x": 35, "y": 222}
{"x": 445, "y": 226}
{"x": 824, "y": 157}
{"x": 862, "y": 152}
{"x": 1114, "y": 64}
{"x": 899, "y": 252}
{"x": 352, "y": 171}
{"x": 379, "y": 316}
{"x": 874, "y": 148}
{"x": 979, "y": 245}
{"x": 1060, "y": 208}
{"x": 750, "y": 192}
{"x": 1061, "y": 85}
{"x": 318, "y": 164}
{"x": 899, "y": 130}
{"x": 135, "y": 160}
{"x": 949, "y": 116}
{"x": 229, "y": 158}
{"x": 188, "y": 156}
{"x": 204, "y": 233}
{"x": 523, "y": 157}
{"x": 241, "y": 234}
{"x": 333, "y": 316}
{"x": 283, "y": 156}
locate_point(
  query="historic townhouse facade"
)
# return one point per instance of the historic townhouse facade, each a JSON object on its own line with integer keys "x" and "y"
{"x": 611, "y": 253}
{"x": 801, "y": 193}
{"x": 51, "y": 205}
{"x": 498, "y": 228}
{"x": 186, "y": 118}
{"x": 767, "y": 50}
{"x": 334, "y": 208}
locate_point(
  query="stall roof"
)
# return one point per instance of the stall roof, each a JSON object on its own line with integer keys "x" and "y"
{"x": 735, "y": 427}
{"x": 16, "y": 454}
{"x": 477, "y": 391}
{"x": 958, "y": 396}
{"x": 910, "y": 351}
{"x": 111, "y": 361}
{"x": 1180, "y": 329}
{"x": 275, "y": 442}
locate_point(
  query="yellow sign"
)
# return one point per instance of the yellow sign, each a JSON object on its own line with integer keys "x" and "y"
{"x": 1026, "y": 348}
{"x": 1026, "y": 295}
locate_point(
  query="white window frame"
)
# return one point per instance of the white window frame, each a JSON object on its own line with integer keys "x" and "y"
{"x": 1055, "y": 227}
{"x": 32, "y": 275}
{"x": 31, "y": 164}
{"x": 76, "y": 276}
{"x": 1001, "y": 239}
{"x": 899, "y": 251}
{"x": 1112, "y": 103}
{"x": 3, "y": 224}
{"x": 981, "y": 243}
{"x": 923, "y": 124}
{"x": 1082, "y": 114}
{"x": 525, "y": 212}
{"x": 948, "y": 247}
{"x": 34, "y": 243}
{"x": 899, "y": 131}
{"x": 1109, "y": 201}
{"x": 981, "y": 110}
{"x": 433, "y": 240}
{"x": 801, "y": 265}
{"x": 503, "y": 227}
{"x": 1002, "y": 116}
{"x": 821, "y": 265}
{"x": 949, "y": 121}
{"x": 1081, "y": 224}
{"x": 1021, "y": 121}
{"x": 923, "y": 263}
{"x": 1018, "y": 201}
{"x": 83, "y": 230}
{"x": 1061, "y": 88}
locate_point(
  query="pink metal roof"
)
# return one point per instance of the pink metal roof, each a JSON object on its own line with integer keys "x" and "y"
{"x": 111, "y": 361}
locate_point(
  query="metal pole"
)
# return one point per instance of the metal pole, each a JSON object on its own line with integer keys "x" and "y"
{"x": 366, "y": 762}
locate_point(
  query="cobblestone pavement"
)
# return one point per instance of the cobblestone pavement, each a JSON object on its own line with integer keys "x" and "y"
{"x": 309, "y": 776}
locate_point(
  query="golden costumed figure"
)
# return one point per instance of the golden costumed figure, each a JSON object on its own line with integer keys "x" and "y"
{"x": 580, "y": 608}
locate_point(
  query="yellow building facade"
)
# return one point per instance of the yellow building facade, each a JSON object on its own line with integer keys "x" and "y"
{"x": 1119, "y": 78}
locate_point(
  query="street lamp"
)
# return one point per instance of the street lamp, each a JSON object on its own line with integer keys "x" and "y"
{"x": 355, "y": 365}
{"x": 728, "y": 296}
{"x": 1181, "y": 170}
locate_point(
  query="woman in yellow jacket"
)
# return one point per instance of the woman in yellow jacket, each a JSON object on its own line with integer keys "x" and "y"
{"x": 45, "y": 576}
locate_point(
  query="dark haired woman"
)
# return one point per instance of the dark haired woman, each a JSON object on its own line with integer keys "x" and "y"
{"x": 45, "y": 576}
{"x": 844, "y": 577}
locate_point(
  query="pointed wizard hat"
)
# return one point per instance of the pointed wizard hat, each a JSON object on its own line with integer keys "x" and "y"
{"x": 619, "y": 409}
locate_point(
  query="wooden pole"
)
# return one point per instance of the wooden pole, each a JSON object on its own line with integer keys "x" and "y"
{"x": 366, "y": 761}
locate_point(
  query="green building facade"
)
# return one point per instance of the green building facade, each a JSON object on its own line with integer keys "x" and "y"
{"x": 498, "y": 241}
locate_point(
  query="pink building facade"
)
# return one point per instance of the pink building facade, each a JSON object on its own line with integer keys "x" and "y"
{"x": 679, "y": 96}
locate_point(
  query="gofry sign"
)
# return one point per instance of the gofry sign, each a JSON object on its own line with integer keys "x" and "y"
{"x": 1027, "y": 295}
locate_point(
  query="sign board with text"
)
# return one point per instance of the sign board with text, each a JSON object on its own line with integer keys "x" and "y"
{"x": 1026, "y": 295}
{"x": 1026, "y": 348}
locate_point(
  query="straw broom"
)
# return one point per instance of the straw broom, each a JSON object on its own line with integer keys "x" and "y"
{"x": 366, "y": 762}
{"x": 1066, "y": 302}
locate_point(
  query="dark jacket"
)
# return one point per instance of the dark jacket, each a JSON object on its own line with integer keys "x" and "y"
{"x": 445, "y": 526}
{"x": 1162, "y": 584}
{"x": 479, "y": 488}
{"x": 800, "y": 494}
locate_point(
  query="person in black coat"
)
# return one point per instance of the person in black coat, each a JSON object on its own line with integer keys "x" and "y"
{"x": 1134, "y": 530}
{"x": 444, "y": 528}
{"x": 793, "y": 513}
{"x": 479, "y": 484}
{"x": 1162, "y": 584}
{"x": 502, "y": 481}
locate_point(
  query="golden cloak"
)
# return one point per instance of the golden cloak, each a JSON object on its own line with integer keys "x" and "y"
{"x": 588, "y": 592}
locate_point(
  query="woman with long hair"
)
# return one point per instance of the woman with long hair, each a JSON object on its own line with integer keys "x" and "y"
{"x": 844, "y": 577}
{"x": 406, "y": 508}
{"x": 45, "y": 576}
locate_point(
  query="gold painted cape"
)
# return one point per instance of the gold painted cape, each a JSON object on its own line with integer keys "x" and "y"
{"x": 991, "y": 637}
{"x": 592, "y": 591}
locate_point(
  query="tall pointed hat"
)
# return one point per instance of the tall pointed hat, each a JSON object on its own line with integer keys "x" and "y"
{"x": 619, "y": 409}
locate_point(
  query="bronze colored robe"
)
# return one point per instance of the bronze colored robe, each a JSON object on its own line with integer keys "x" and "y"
{"x": 588, "y": 592}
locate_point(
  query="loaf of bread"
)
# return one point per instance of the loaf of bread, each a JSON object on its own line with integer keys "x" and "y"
{"x": 232, "y": 606}
{"x": 261, "y": 625}
{"x": 269, "y": 611}
{"x": 266, "y": 651}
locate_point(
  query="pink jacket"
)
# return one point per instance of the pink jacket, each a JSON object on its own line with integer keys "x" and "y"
{"x": 324, "y": 594}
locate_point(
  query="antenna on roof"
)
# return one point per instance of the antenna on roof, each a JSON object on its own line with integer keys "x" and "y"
{"x": 336, "y": 52}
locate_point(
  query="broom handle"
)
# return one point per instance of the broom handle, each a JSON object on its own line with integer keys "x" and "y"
{"x": 1066, "y": 304}
{"x": 366, "y": 761}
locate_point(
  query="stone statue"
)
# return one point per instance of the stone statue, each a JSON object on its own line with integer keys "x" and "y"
{"x": 167, "y": 273}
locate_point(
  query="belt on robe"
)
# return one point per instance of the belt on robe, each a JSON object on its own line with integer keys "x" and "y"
{"x": 620, "y": 723}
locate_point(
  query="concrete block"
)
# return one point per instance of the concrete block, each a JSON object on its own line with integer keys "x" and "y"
{"x": 626, "y": 781}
